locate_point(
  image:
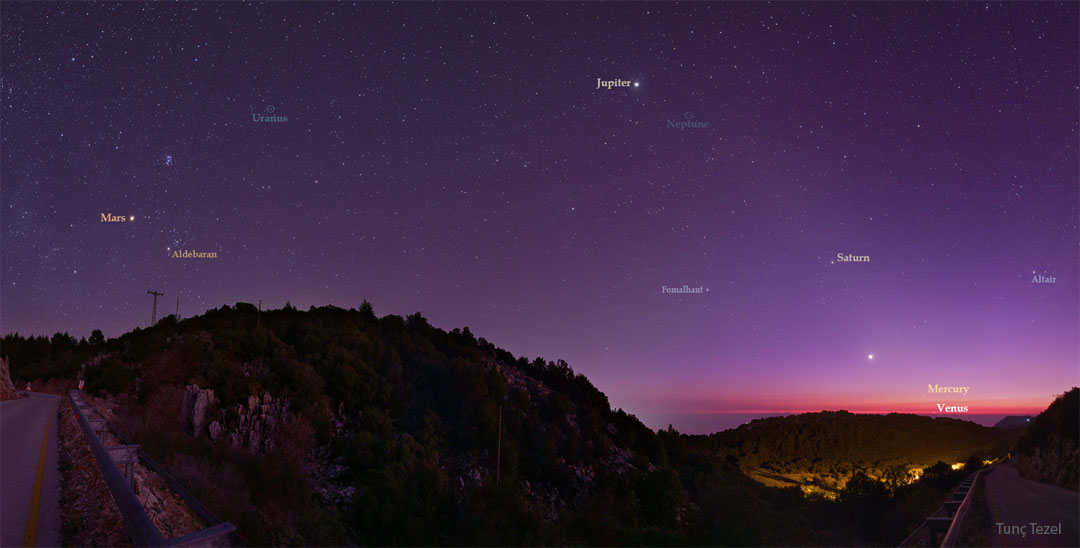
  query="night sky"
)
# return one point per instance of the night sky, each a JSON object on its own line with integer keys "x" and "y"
{"x": 459, "y": 160}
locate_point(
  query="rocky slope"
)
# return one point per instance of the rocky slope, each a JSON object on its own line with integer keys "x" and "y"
{"x": 7, "y": 390}
{"x": 1049, "y": 451}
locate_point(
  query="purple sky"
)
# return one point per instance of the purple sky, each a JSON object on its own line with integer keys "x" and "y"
{"x": 458, "y": 159}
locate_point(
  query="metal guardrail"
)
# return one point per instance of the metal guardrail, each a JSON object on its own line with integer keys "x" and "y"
{"x": 143, "y": 531}
{"x": 948, "y": 517}
{"x": 961, "y": 511}
{"x": 197, "y": 506}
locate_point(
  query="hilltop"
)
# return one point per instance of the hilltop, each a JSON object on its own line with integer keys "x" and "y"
{"x": 333, "y": 426}
{"x": 1014, "y": 421}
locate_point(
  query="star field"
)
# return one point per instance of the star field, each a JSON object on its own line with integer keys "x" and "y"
{"x": 458, "y": 159}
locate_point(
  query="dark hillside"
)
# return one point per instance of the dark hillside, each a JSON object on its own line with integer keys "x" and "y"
{"x": 839, "y": 442}
{"x": 334, "y": 426}
{"x": 1048, "y": 450}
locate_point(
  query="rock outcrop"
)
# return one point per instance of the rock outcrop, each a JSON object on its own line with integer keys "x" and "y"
{"x": 215, "y": 429}
{"x": 7, "y": 390}
{"x": 1056, "y": 465}
{"x": 196, "y": 404}
{"x": 1049, "y": 450}
{"x": 253, "y": 426}
{"x": 258, "y": 423}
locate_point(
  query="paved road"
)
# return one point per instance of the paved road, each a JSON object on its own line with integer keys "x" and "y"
{"x": 22, "y": 430}
{"x": 1016, "y": 502}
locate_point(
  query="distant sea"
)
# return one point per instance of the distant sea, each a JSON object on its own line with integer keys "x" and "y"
{"x": 707, "y": 423}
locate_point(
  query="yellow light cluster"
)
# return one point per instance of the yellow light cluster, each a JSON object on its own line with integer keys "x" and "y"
{"x": 913, "y": 475}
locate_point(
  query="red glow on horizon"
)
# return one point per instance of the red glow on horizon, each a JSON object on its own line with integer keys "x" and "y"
{"x": 972, "y": 410}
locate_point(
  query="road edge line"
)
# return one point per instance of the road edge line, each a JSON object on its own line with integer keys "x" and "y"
{"x": 30, "y": 535}
{"x": 993, "y": 506}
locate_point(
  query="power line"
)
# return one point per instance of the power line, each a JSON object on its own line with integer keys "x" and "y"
{"x": 153, "y": 315}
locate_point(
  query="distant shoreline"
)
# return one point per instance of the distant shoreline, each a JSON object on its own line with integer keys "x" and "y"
{"x": 708, "y": 423}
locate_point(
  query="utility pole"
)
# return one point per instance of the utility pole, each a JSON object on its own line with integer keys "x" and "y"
{"x": 153, "y": 316}
{"x": 258, "y": 322}
{"x": 498, "y": 451}
{"x": 178, "y": 309}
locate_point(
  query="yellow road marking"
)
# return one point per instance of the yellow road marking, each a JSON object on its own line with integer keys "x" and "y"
{"x": 30, "y": 536}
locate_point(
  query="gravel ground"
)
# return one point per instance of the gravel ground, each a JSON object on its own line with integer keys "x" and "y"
{"x": 91, "y": 517}
{"x": 977, "y": 525}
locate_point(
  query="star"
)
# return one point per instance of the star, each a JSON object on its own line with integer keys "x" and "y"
{"x": 300, "y": 203}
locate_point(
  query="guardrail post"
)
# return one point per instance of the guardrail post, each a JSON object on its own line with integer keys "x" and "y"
{"x": 936, "y": 526}
{"x": 966, "y": 489}
{"x": 100, "y": 426}
{"x": 122, "y": 487}
{"x": 143, "y": 531}
{"x": 951, "y": 506}
{"x": 126, "y": 456}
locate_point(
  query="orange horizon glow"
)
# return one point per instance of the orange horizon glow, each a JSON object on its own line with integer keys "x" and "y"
{"x": 975, "y": 407}
{"x": 705, "y": 404}
{"x": 972, "y": 411}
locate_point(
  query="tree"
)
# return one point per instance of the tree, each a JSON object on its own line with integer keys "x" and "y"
{"x": 661, "y": 497}
{"x": 366, "y": 310}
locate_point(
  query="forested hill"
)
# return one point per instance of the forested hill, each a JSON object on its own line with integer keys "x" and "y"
{"x": 335, "y": 426}
{"x": 836, "y": 442}
{"x": 1049, "y": 450}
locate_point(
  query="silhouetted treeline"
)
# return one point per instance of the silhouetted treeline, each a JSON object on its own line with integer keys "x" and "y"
{"x": 411, "y": 414}
{"x": 41, "y": 357}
